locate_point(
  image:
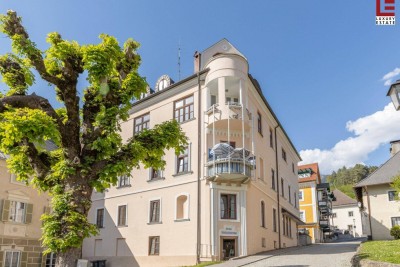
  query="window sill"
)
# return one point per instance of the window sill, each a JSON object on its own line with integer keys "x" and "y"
{"x": 122, "y": 226}
{"x": 123, "y": 186}
{"x": 181, "y": 220}
{"x": 263, "y": 227}
{"x": 156, "y": 179}
{"x": 151, "y": 223}
{"x": 182, "y": 173}
{"x": 189, "y": 120}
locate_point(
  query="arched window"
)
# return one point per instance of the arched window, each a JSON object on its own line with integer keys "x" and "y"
{"x": 182, "y": 207}
{"x": 262, "y": 214}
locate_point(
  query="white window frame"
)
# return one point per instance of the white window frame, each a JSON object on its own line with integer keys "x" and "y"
{"x": 149, "y": 210}
{"x": 302, "y": 195}
{"x": 126, "y": 215}
{"x": 104, "y": 211}
{"x": 53, "y": 256}
{"x": 188, "y": 207}
{"x": 189, "y": 155}
{"x": 13, "y": 216}
{"x": 12, "y": 252}
{"x": 304, "y": 215}
{"x": 394, "y": 195}
{"x": 238, "y": 201}
{"x": 126, "y": 184}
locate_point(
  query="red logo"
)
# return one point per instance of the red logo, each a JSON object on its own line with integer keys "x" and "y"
{"x": 385, "y": 12}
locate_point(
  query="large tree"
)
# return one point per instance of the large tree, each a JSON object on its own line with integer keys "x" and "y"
{"x": 90, "y": 152}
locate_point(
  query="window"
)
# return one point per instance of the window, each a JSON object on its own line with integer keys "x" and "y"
{"x": 182, "y": 207}
{"x": 292, "y": 167}
{"x": 301, "y": 195}
{"x": 395, "y": 221}
{"x": 282, "y": 188}
{"x": 289, "y": 194}
{"x": 392, "y": 195}
{"x": 273, "y": 179}
{"x": 51, "y": 259}
{"x": 334, "y": 215}
{"x": 155, "y": 174}
{"x": 303, "y": 215}
{"x": 232, "y": 100}
{"x": 271, "y": 138}
{"x": 122, "y": 215}
{"x": 12, "y": 258}
{"x": 141, "y": 123}
{"x": 183, "y": 161}
{"x": 154, "y": 245}
{"x": 228, "y": 206}
{"x": 183, "y": 109}
{"x": 263, "y": 242}
{"x": 17, "y": 211}
{"x": 274, "y": 219}
{"x": 259, "y": 124}
{"x": 261, "y": 169}
{"x": 284, "y": 155}
{"x": 213, "y": 100}
{"x": 351, "y": 214}
{"x": 124, "y": 181}
{"x": 100, "y": 218}
{"x": 262, "y": 214}
{"x": 295, "y": 199}
{"x": 284, "y": 225}
{"x": 154, "y": 211}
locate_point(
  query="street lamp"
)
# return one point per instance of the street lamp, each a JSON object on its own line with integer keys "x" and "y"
{"x": 394, "y": 93}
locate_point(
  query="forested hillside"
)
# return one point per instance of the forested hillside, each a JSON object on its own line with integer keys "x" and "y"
{"x": 345, "y": 178}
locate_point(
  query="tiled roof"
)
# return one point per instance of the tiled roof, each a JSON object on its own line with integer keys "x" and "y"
{"x": 384, "y": 174}
{"x": 342, "y": 199}
{"x": 315, "y": 176}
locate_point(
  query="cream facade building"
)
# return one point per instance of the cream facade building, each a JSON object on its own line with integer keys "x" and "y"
{"x": 234, "y": 192}
{"x": 380, "y": 210}
{"x": 20, "y": 225}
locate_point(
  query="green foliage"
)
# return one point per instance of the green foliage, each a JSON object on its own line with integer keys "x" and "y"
{"x": 90, "y": 152}
{"x": 396, "y": 185}
{"x": 395, "y": 231}
{"x": 345, "y": 178}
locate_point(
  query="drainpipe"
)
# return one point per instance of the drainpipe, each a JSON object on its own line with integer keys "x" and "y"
{"x": 277, "y": 187}
{"x": 199, "y": 163}
{"x": 369, "y": 211}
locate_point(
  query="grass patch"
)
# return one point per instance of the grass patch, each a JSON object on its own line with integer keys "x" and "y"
{"x": 208, "y": 263}
{"x": 384, "y": 251}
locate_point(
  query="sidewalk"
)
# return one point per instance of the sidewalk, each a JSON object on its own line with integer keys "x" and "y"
{"x": 258, "y": 257}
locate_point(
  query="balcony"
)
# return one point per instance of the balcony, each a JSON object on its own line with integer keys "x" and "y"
{"x": 226, "y": 164}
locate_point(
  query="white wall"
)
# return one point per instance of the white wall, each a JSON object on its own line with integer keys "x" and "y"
{"x": 343, "y": 219}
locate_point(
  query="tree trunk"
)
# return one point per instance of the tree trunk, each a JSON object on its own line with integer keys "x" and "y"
{"x": 68, "y": 258}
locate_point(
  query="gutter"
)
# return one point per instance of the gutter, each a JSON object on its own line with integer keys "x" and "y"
{"x": 277, "y": 186}
{"x": 199, "y": 167}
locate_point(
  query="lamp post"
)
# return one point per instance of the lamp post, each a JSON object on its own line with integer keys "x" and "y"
{"x": 394, "y": 93}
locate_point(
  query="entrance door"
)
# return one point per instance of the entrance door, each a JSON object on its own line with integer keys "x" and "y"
{"x": 228, "y": 248}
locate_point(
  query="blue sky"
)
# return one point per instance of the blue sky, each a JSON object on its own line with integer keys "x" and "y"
{"x": 320, "y": 63}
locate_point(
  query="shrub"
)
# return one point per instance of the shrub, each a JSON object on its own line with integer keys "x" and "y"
{"x": 395, "y": 231}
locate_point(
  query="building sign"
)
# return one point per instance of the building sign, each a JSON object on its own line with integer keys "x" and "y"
{"x": 229, "y": 230}
{"x": 385, "y": 12}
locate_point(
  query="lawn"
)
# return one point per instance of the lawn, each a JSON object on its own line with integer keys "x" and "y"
{"x": 386, "y": 251}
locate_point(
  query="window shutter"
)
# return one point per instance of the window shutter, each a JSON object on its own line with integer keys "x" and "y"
{"x": 29, "y": 213}
{"x": 5, "y": 214}
{"x": 46, "y": 210}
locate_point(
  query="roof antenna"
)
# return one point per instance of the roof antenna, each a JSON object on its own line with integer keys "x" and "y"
{"x": 179, "y": 60}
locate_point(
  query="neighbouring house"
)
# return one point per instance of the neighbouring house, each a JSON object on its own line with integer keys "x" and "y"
{"x": 309, "y": 177}
{"x": 345, "y": 214}
{"x": 233, "y": 192}
{"x": 377, "y": 200}
{"x": 20, "y": 226}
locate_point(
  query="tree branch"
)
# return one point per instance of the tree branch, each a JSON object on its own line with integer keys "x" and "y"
{"x": 39, "y": 163}
{"x": 32, "y": 101}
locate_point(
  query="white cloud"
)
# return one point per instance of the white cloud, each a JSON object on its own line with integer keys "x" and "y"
{"x": 369, "y": 132}
{"x": 389, "y": 76}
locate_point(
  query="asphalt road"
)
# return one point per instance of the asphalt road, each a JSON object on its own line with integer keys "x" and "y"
{"x": 336, "y": 254}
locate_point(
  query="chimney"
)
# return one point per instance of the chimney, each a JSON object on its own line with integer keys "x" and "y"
{"x": 197, "y": 56}
{"x": 394, "y": 147}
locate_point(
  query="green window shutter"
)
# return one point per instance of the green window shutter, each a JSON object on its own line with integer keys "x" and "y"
{"x": 29, "y": 211}
{"x": 5, "y": 213}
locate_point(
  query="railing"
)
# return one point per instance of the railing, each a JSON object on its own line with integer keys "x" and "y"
{"x": 229, "y": 166}
{"x": 211, "y": 109}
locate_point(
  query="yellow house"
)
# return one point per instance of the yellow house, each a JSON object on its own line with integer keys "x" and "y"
{"x": 309, "y": 178}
